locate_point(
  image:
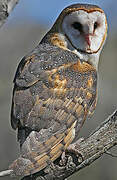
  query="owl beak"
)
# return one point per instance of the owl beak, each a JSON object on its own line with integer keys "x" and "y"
{"x": 87, "y": 39}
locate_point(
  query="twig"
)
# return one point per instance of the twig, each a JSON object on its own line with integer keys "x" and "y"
{"x": 11, "y": 5}
{"x": 6, "y": 173}
{"x": 6, "y": 6}
{"x": 111, "y": 154}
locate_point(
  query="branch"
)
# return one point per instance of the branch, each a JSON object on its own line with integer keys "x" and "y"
{"x": 6, "y": 6}
{"x": 5, "y": 173}
{"x": 80, "y": 154}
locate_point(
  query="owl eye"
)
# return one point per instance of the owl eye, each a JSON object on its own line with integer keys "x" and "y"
{"x": 96, "y": 25}
{"x": 78, "y": 26}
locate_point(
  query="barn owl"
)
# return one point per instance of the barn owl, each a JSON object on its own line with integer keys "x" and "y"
{"x": 55, "y": 87}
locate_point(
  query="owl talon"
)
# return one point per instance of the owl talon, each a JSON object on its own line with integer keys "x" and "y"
{"x": 63, "y": 159}
{"x": 72, "y": 149}
{"x": 50, "y": 167}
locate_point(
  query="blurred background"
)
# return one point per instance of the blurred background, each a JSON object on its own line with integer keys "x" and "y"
{"x": 23, "y": 30}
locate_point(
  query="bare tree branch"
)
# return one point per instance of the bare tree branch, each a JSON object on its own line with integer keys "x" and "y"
{"x": 6, "y": 6}
{"x": 5, "y": 173}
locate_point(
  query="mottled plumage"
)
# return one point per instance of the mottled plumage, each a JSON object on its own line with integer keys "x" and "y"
{"x": 54, "y": 92}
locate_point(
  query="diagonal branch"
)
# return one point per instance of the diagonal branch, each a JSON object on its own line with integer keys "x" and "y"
{"x": 6, "y": 6}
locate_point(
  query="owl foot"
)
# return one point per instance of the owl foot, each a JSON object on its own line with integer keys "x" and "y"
{"x": 74, "y": 152}
{"x": 63, "y": 160}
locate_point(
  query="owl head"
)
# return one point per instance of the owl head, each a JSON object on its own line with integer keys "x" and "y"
{"x": 84, "y": 26}
{"x": 81, "y": 28}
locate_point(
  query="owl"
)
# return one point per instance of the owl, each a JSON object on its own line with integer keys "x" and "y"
{"x": 55, "y": 87}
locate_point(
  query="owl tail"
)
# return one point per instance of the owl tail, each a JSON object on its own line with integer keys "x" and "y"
{"x": 24, "y": 167}
{"x": 38, "y": 152}
{"x": 35, "y": 160}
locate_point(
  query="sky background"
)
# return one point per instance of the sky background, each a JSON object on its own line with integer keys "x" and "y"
{"x": 46, "y": 11}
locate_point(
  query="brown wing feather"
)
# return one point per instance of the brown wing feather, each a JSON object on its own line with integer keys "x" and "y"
{"x": 31, "y": 79}
{"x": 53, "y": 94}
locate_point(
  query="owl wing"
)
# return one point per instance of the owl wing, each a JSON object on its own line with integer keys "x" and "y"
{"x": 52, "y": 96}
{"x": 33, "y": 95}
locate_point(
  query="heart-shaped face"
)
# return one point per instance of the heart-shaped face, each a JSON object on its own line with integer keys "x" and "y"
{"x": 86, "y": 31}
